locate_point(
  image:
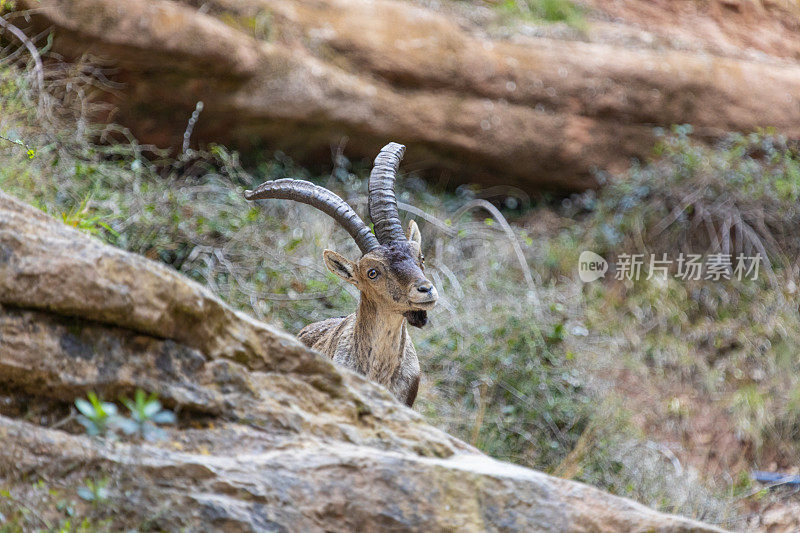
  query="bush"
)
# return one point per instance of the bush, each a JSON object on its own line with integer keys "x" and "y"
{"x": 728, "y": 342}
{"x": 506, "y": 387}
{"x": 739, "y": 196}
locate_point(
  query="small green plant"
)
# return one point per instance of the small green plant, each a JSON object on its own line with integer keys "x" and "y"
{"x": 81, "y": 218}
{"x": 146, "y": 411}
{"x": 546, "y": 10}
{"x": 7, "y": 5}
{"x": 101, "y": 419}
{"x": 97, "y": 416}
{"x": 752, "y": 414}
{"x": 556, "y": 335}
{"x": 94, "y": 491}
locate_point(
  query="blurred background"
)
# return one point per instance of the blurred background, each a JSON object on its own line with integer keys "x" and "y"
{"x": 535, "y": 130}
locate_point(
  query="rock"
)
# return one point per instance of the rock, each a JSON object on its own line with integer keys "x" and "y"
{"x": 535, "y": 112}
{"x": 272, "y": 437}
{"x": 45, "y": 267}
{"x": 327, "y": 487}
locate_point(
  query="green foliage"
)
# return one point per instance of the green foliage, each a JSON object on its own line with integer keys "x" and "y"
{"x": 102, "y": 419}
{"x": 556, "y": 335}
{"x": 42, "y": 510}
{"x": 146, "y": 412}
{"x": 97, "y": 416}
{"x": 545, "y": 10}
{"x": 688, "y": 197}
{"x": 532, "y": 402}
{"x": 95, "y": 491}
{"x": 80, "y": 217}
{"x": 732, "y": 340}
{"x": 751, "y": 410}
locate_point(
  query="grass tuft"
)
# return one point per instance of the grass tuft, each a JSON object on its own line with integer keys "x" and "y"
{"x": 565, "y": 11}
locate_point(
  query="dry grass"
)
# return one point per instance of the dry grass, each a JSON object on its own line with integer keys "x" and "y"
{"x": 516, "y": 360}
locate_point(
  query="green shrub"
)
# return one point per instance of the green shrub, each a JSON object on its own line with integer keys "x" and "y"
{"x": 741, "y": 194}
{"x": 530, "y": 401}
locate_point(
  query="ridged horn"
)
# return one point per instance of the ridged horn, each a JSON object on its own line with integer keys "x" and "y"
{"x": 324, "y": 200}
{"x": 382, "y": 201}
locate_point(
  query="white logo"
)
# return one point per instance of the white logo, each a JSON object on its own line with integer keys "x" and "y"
{"x": 591, "y": 266}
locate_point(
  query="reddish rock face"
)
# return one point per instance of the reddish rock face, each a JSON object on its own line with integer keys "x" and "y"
{"x": 537, "y": 112}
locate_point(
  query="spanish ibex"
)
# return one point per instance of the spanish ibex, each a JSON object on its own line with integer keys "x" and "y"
{"x": 374, "y": 340}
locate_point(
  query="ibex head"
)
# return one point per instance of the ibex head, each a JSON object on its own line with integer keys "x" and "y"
{"x": 390, "y": 272}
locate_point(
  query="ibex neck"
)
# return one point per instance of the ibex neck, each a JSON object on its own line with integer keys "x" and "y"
{"x": 379, "y": 341}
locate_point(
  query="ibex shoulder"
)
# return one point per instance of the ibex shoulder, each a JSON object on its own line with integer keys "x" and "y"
{"x": 312, "y": 333}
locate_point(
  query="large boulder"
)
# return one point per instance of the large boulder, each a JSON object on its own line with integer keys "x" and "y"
{"x": 532, "y": 111}
{"x": 271, "y": 436}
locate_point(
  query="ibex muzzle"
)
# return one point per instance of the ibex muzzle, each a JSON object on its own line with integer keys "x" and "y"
{"x": 374, "y": 340}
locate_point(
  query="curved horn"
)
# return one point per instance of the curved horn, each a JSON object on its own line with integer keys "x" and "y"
{"x": 382, "y": 202}
{"x": 324, "y": 200}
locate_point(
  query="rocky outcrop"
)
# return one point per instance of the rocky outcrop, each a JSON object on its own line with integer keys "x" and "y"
{"x": 536, "y": 112}
{"x": 272, "y": 437}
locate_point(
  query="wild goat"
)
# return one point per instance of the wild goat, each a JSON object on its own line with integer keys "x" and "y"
{"x": 374, "y": 340}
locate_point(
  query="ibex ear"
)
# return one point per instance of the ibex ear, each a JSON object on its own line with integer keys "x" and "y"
{"x": 340, "y": 266}
{"x": 413, "y": 233}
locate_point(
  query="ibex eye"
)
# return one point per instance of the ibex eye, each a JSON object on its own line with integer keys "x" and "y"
{"x": 372, "y": 273}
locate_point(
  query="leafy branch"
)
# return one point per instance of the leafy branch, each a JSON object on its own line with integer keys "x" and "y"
{"x": 30, "y": 152}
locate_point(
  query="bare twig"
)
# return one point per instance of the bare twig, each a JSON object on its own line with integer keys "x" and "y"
{"x": 427, "y": 217}
{"x": 64, "y": 421}
{"x": 498, "y": 216}
{"x": 38, "y": 69}
{"x": 676, "y": 213}
{"x": 187, "y": 135}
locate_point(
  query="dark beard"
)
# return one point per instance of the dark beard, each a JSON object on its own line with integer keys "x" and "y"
{"x": 416, "y": 318}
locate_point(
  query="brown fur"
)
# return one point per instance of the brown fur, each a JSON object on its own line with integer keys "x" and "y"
{"x": 412, "y": 392}
{"x": 313, "y": 332}
{"x": 374, "y": 341}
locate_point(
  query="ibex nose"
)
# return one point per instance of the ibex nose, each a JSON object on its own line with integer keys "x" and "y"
{"x": 423, "y": 293}
{"x": 425, "y": 287}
